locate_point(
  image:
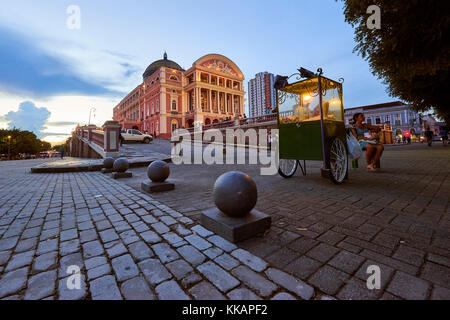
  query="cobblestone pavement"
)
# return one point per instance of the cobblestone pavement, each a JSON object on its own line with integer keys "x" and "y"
{"x": 327, "y": 235}
{"x": 127, "y": 245}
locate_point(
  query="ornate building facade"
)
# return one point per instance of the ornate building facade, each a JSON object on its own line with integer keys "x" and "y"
{"x": 171, "y": 97}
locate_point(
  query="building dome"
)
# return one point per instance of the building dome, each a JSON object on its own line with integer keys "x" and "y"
{"x": 161, "y": 63}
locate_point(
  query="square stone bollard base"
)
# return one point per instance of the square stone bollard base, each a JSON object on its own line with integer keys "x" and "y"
{"x": 119, "y": 175}
{"x": 235, "y": 229}
{"x": 150, "y": 186}
{"x": 107, "y": 170}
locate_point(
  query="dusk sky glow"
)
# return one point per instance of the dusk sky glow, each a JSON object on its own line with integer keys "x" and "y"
{"x": 67, "y": 72}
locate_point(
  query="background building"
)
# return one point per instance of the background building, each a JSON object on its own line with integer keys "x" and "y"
{"x": 399, "y": 115}
{"x": 261, "y": 94}
{"x": 171, "y": 97}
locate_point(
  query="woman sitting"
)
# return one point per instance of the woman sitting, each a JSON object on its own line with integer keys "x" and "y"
{"x": 367, "y": 136}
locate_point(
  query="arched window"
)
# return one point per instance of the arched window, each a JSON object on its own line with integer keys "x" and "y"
{"x": 173, "y": 78}
{"x": 153, "y": 111}
{"x": 157, "y": 105}
{"x": 174, "y": 105}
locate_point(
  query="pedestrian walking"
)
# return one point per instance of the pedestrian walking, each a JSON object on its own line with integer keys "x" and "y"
{"x": 61, "y": 151}
{"x": 429, "y": 136}
{"x": 120, "y": 136}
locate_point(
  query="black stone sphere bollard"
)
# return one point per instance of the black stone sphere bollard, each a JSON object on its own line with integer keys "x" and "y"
{"x": 108, "y": 163}
{"x": 235, "y": 193}
{"x": 235, "y": 219}
{"x": 158, "y": 171}
{"x": 121, "y": 165}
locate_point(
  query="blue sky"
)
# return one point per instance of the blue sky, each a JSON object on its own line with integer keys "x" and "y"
{"x": 69, "y": 71}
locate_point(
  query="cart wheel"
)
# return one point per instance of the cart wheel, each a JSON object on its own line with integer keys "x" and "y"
{"x": 287, "y": 167}
{"x": 338, "y": 161}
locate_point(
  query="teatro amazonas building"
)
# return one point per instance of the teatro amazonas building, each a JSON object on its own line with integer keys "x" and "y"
{"x": 170, "y": 97}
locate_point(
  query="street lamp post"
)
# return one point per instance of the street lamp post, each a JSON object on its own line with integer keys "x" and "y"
{"x": 9, "y": 147}
{"x": 90, "y": 111}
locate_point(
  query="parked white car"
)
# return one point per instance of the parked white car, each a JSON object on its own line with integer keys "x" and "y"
{"x": 136, "y": 135}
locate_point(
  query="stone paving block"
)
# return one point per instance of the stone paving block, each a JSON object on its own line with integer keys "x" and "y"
{"x": 226, "y": 261}
{"x": 13, "y": 281}
{"x": 129, "y": 236}
{"x": 73, "y": 259}
{"x": 408, "y": 287}
{"x": 192, "y": 255}
{"x": 170, "y": 290}
{"x": 149, "y": 219}
{"x": 255, "y": 281}
{"x": 328, "y": 279}
{"x": 160, "y": 227}
{"x": 173, "y": 238}
{"x": 212, "y": 252}
{"x": 201, "y": 231}
{"x": 140, "y": 251}
{"x": 103, "y": 225}
{"x": 92, "y": 249}
{"x": 205, "y": 291}
{"x": 95, "y": 262}
{"x": 283, "y": 296}
{"x": 302, "y": 245}
{"x": 154, "y": 271}
{"x": 290, "y": 283}
{"x": 409, "y": 255}
{"x": 136, "y": 289}
{"x": 303, "y": 267}
{"x": 198, "y": 242}
{"x": 242, "y": 294}
{"x": 68, "y": 234}
{"x": 167, "y": 220}
{"x": 322, "y": 252}
{"x": 88, "y": 235}
{"x": 68, "y": 247}
{"x": 190, "y": 280}
{"x": 437, "y": 274}
{"x": 115, "y": 248}
{"x": 8, "y": 243}
{"x": 98, "y": 271}
{"x": 20, "y": 260}
{"x": 346, "y": 261}
{"x": 124, "y": 267}
{"x": 440, "y": 293}
{"x": 164, "y": 252}
{"x": 150, "y": 237}
{"x": 41, "y": 285}
{"x": 45, "y": 262}
{"x": 108, "y": 235}
{"x": 249, "y": 259}
{"x": 4, "y": 257}
{"x": 31, "y": 233}
{"x": 140, "y": 226}
{"x": 223, "y": 280}
{"x": 282, "y": 257}
{"x": 182, "y": 231}
{"x": 356, "y": 289}
{"x": 105, "y": 288}
{"x": 179, "y": 268}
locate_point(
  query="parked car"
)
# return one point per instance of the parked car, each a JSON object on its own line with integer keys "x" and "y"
{"x": 136, "y": 135}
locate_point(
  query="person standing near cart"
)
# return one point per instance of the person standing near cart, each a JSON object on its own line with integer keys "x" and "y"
{"x": 429, "y": 136}
{"x": 120, "y": 136}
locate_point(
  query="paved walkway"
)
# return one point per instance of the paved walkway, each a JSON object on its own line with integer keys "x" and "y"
{"x": 327, "y": 235}
{"x": 130, "y": 245}
{"x": 127, "y": 245}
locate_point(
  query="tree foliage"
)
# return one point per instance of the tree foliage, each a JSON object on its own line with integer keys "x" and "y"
{"x": 410, "y": 52}
{"x": 21, "y": 142}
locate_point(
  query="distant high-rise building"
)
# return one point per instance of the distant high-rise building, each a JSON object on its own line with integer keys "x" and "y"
{"x": 261, "y": 94}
